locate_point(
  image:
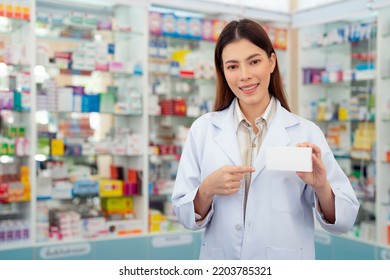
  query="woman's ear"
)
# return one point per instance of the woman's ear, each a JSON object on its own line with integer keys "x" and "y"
{"x": 272, "y": 62}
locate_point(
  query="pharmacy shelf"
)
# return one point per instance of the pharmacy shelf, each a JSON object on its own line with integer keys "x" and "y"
{"x": 374, "y": 213}
{"x": 17, "y": 134}
{"x": 383, "y": 136}
{"x": 333, "y": 71}
{"x": 71, "y": 36}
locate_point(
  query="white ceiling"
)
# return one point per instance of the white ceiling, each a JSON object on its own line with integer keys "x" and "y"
{"x": 282, "y": 6}
{"x": 278, "y": 5}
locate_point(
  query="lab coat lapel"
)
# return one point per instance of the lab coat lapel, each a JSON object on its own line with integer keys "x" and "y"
{"x": 276, "y": 136}
{"x": 226, "y": 136}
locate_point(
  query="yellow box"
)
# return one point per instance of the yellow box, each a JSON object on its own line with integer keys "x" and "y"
{"x": 154, "y": 227}
{"x": 57, "y": 147}
{"x": 118, "y": 205}
{"x": 110, "y": 188}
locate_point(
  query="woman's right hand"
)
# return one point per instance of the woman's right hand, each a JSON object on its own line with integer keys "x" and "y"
{"x": 225, "y": 180}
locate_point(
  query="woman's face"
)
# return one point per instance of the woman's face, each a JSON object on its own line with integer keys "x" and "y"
{"x": 247, "y": 70}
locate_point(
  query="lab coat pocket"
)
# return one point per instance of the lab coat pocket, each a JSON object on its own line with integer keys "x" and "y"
{"x": 283, "y": 254}
{"x": 284, "y": 191}
{"x": 209, "y": 253}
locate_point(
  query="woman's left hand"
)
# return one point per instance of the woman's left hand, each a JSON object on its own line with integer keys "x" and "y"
{"x": 317, "y": 178}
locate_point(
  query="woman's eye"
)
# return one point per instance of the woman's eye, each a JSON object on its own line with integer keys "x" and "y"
{"x": 256, "y": 61}
{"x": 232, "y": 67}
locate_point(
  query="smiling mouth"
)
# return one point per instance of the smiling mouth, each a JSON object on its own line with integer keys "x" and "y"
{"x": 249, "y": 88}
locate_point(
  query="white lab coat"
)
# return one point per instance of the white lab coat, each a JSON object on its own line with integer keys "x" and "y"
{"x": 279, "y": 220}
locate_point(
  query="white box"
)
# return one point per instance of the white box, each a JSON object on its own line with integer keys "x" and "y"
{"x": 65, "y": 99}
{"x": 289, "y": 159}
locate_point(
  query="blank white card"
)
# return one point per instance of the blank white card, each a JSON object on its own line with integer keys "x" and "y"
{"x": 289, "y": 159}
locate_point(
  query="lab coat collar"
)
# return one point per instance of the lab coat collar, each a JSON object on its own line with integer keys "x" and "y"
{"x": 227, "y": 138}
{"x": 276, "y": 135}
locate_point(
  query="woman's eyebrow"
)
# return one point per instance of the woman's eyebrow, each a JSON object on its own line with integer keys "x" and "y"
{"x": 248, "y": 58}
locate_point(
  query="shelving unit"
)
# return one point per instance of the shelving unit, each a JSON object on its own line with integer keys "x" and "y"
{"x": 338, "y": 93}
{"x": 90, "y": 104}
{"x": 182, "y": 87}
{"x": 383, "y": 124}
{"x": 367, "y": 163}
{"x": 16, "y": 109}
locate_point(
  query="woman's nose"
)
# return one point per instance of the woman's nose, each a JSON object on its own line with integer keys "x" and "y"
{"x": 245, "y": 73}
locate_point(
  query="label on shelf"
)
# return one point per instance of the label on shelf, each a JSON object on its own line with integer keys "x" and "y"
{"x": 65, "y": 251}
{"x": 172, "y": 240}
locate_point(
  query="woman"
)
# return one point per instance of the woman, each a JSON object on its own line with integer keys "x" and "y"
{"x": 222, "y": 185}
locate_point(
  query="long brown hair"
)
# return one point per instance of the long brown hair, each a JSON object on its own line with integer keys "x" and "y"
{"x": 253, "y": 32}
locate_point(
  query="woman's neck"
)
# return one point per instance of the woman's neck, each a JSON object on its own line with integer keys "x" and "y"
{"x": 253, "y": 111}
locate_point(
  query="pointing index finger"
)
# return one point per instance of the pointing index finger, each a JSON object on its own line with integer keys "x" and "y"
{"x": 241, "y": 169}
